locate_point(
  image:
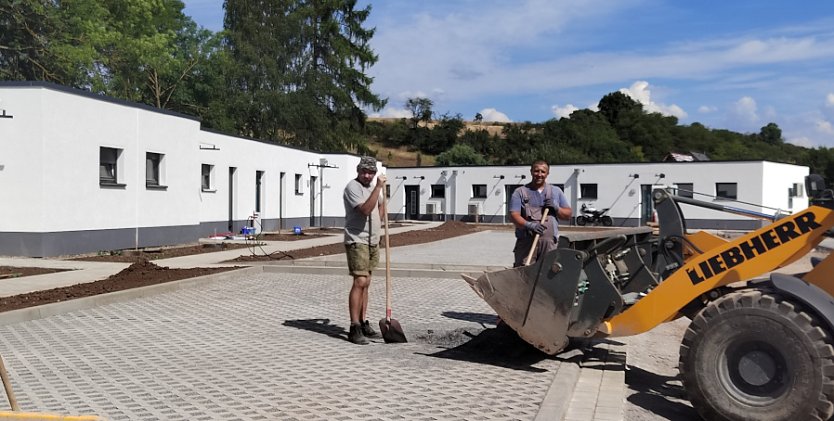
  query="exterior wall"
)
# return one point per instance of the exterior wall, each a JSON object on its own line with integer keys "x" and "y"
{"x": 619, "y": 187}
{"x": 49, "y": 164}
{"x": 54, "y": 203}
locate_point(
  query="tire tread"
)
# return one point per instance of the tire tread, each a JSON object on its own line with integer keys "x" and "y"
{"x": 766, "y": 300}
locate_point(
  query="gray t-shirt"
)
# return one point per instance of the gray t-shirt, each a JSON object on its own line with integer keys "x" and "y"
{"x": 358, "y": 227}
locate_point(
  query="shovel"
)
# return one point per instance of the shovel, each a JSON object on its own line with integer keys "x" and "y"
{"x": 391, "y": 330}
{"x": 535, "y": 241}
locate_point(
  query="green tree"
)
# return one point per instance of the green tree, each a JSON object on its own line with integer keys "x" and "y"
{"x": 139, "y": 50}
{"x": 50, "y": 41}
{"x": 460, "y": 155}
{"x": 24, "y": 53}
{"x": 771, "y": 134}
{"x": 443, "y": 135}
{"x": 421, "y": 110}
{"x": 618, "y": 107}
{"x": 300, "y": 72}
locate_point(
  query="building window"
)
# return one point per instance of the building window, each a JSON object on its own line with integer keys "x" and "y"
{"x": 388, "y": 191}
{"x": 299, "y": 184}
{"x": 108, "y": 167}
{"x": 588, "y": 191}
{"x": 560, "y": 186}
{"x": 438, "y": 191}
{"x": 685, "y": 189}
{"x": 479, "y": 191}
{"x": 154, "y": 170}
{"x": 727, "y": 191}
{"x": 207, "y": 177}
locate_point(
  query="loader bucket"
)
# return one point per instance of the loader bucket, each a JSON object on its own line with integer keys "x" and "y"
{"x": 535, "y": 300}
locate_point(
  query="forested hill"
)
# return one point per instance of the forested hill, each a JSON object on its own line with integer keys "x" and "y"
{"x": 621, "y": 131}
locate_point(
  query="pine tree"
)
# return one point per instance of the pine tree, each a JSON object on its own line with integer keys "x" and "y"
{"x": 301, "y": 70}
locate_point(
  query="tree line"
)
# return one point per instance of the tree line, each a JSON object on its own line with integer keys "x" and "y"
{"x": 295, "y": 72}
{"x": 620, "y": 131}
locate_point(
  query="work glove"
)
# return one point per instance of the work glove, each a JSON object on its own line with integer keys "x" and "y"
{"x": 548, "y": 204}
{"x": 534, "y": 227}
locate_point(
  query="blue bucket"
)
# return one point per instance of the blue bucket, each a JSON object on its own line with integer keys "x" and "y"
{"x": 296, "y": 230}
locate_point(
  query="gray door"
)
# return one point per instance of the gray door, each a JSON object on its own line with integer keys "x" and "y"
{"x": 232, "y": 171}
{"x": 412, "y": 202}
{"x": 312, "y": 201}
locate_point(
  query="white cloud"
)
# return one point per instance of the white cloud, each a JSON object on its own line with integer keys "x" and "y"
{"x": 825, "y": 127}
{"x": 563, "y": 112}
{"x": 391, "y": 112}
{"x": 829, "y": 100}
{"x": 491, "y": 114}
{"x": 640, "y": 92}
{"x": 707, "y": 109}
{"x": 745, "y": 111}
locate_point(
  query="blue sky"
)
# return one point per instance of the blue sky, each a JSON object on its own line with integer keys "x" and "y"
{"x": 731, "y": 64}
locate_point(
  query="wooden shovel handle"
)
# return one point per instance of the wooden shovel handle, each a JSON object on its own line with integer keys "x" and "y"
{"x": 387, "y": 258}
{"x": 535, "y": 240}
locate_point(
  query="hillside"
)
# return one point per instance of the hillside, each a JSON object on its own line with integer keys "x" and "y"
{"x": 400, "y": 157}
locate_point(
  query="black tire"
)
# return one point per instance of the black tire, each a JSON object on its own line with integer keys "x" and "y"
{"x": 607, "y": 221}
{"x": 754, "y": 355}
{"x": 581, "y": 220}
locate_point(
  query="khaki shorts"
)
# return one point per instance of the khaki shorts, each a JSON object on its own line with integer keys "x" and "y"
{"x": 362, "y": 258}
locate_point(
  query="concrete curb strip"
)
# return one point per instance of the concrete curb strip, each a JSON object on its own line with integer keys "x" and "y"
{"x": 555, "y": 404}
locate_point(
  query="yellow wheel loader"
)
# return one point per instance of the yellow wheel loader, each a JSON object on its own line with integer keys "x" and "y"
{"x": 756, "y": 349}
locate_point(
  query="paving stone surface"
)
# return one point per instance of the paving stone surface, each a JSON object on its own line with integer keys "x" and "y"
{"x": 599, "y": 391}
{"x": 272, "y": 346}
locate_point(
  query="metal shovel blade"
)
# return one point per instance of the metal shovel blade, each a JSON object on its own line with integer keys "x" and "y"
{"x": 391, "y": 331}
{"x": 535, "y": 300}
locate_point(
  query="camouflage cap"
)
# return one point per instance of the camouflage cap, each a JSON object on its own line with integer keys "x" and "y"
{"x": 367, "y": 163}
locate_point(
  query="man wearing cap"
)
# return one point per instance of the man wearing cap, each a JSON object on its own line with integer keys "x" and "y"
{"x": 363, "y": 210}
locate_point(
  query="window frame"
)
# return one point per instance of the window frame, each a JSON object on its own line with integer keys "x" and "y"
{"x": 441, "y": 187}
{"x": 157, "y": 183}
{"x": 584, "y": 188}
{"x": 718, "y": 189}
{"x": 299, "y": 184}
{"x": 476, "y": 191}
{"x": 110, "y": 166}
{"x": 207, "y": 178}
{"x": 688, "y": 188}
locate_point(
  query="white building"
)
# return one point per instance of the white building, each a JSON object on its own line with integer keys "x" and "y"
{"x": 482, "y": 192}
{"x": 84, "y": 173}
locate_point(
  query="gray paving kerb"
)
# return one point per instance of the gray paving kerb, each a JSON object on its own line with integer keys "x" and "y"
{"x": 268, "y": 342}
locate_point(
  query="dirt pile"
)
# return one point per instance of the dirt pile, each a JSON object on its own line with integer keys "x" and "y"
{"x": 139, "y": 274}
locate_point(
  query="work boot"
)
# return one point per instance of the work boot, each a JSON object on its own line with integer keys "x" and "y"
{"x": 355, "y": 335}
{"x": 368, "y": 331}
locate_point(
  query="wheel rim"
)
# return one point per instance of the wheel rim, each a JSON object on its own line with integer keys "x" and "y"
{"x": 754, "y": 372}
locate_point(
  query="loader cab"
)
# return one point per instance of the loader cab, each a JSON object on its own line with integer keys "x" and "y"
{"x": 818, "y": 193}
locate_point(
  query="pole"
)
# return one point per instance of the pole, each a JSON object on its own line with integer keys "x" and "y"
{"x": 321, "y": 196}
